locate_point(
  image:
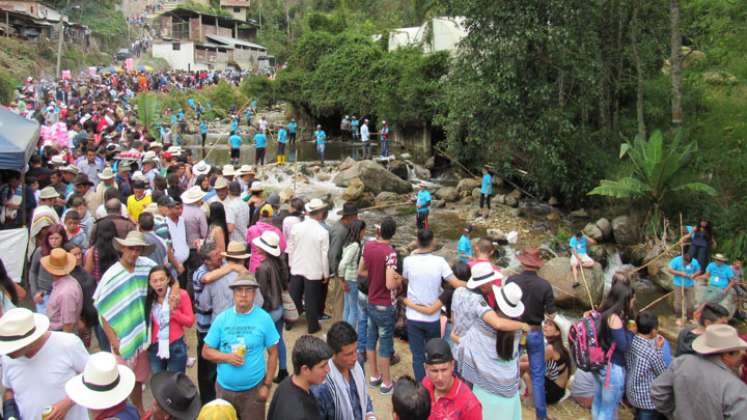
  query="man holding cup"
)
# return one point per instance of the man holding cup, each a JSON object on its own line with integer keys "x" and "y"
{"x": 236, "y": 342}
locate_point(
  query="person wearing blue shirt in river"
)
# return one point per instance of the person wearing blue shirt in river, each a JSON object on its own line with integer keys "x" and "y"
{"x": 684, "y": 270}
{"x": 721, "y": 282}
{"x": 282, "y": 140}
{"x": 423, "y": 206}
{"x": 486, "y": 189}
{"x": 203, "y": 132}
{"x": 320, "y": 137}
{"x": 355, "y": 127}
{"x": 237, "y": 341}
{"x": 249, "y": 115}
{"x": 580, "y": 255}
{"x": 384, "y": 135}
{"x": 235, "y": 123}
{"x": 235, "y": 142}
{"x": 464, "y": 246}
{"x": 292, "y": 129}
{"x": 260, "y": 147}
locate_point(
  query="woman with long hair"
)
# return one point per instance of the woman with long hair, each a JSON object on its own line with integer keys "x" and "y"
{"x": 102, "y": 254}
{"x": 701, "y": 242}
{"x": 167, "y": 320}
{"x": 557, "y": 363}
{"x": 217, "y": 226}
{"x": 616, "y": 310}
{"x": 40, "y": 280}
{"x": 348, "y": 269}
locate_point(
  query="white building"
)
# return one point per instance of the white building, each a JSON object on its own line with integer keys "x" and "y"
{"x": 439, "y": 34}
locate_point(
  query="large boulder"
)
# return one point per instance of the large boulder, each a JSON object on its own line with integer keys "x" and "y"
{"x": 657, "y": 268}
{"x": 605, "y": 227}
{"x": 375, "y": 178}
{"x": 557, "y": 271}
{"x": 347, "y": 163}
{"x": 466, "y": 185}
{"x": 625, "y": 230}
{"x": 476, "y": 194}
{"x": 385, "y": 197}
{"x": 399, "y": 168}
{"x": 448, "y": 194}
{"x": 591, "y": 230}
{"x": 420, "y": 171}
{"x": 354, "y": 191}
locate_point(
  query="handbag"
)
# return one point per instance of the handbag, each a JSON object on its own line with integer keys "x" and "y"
{"x": 290, "y": 312}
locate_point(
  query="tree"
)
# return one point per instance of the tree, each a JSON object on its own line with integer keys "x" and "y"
{"x": 674, "y": 11}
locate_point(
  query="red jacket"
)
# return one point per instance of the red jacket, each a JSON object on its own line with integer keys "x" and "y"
{"x": 459, "y": 404}
{"x": 182, "y": 317}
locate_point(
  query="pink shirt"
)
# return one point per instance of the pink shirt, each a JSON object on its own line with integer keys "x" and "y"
{"x": 182, "y": 317}
{"x": 255, "y": 232}
{"x": 65, "y": 303}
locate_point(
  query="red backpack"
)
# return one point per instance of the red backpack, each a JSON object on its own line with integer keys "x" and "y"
{"x": 586, "y": 349}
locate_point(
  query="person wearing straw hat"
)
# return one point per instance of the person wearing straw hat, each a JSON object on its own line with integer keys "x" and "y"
{"x": 705, "y": 385}
{"x": 721, "y": 281}
{"x": 66, "y": 299}
{"x": 126, "y": 325}
{"x": 36, "y": 365}
{"x": 246, "y": 176}
{"x": 106, "y": 181}
{"x": 48, "y": 196}
{"x": 228, "y": 172}
{"x": 216, "y": 295}
{"x": 150, "y": 166}
{"x": 264, "y": 224}
{"x": 195, "y": 228}
{"x": 103, "y": 388}
{"x": 539, "y": 304}
{"x": 308, "y": 247}
{"x": 175, "y": 396}
{"x": 255, "y": 201}
{"x": 237, "y": 342}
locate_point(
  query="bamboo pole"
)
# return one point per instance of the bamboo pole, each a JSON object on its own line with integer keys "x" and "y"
{"x": 586, "y": 285}
{"x": 656, "y": 301}
{"x": 649, "y": 262}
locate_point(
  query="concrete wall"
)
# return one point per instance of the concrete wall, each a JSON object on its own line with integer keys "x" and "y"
{"x": 183, "y": 59}
{"x": 415, "y": 139}
{"x": 240, "y": 15}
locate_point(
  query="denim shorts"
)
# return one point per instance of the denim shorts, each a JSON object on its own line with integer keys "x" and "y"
{"x": 381, "y": 327}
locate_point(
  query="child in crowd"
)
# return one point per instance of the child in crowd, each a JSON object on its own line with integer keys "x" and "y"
{"x": 75, "y": 234}
{"x": 645, "y": 361}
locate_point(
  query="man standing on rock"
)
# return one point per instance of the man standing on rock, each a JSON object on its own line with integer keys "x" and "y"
{"x": 364, "y": 138}
{"x": 580, "y": 255}
{"x": 537, "y": 297}
{"x": 423, "y": 206}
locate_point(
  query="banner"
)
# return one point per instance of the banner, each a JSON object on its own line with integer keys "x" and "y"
{"x": 66, "y": 75}
{"x": 11, "y": 241}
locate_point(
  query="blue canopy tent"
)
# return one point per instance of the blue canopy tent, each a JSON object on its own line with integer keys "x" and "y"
{"x": 18, "y": 140}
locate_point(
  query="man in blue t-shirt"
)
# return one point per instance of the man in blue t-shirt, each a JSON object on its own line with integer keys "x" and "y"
{"x": 579, "y": 254}
{"x": 721, "y": 282}
{"x": 236, "y": 342}
{"x": 355, "y": 127}
{"x": 260, "y": 147}
{"x": 486, "y": 190}
{"x": 464, "y": 246}
{"x": 684, "y": 269}
{"x": 282, "y": 140}
{"x": 320, "y": 136}
{"x": 423, "y": 206}
{"x": 235, "y": 142}
{"x": 292, "y": 130}
{"x": 203, "y": 132}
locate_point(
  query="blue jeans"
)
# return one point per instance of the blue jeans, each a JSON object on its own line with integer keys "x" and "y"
{"x": 350, "y": 304}
{"x": 381, "y": 328}
{"x": 384, "y": 148}
{"x": 177, "y": 361}
{"x": 41, "y": 308}
{"x": 362, "y": 323}
{"x": 320, "y": 151}
{"x": 641, "y": 414}
{"x": 102, "y": 338}
{"x": 418, "y": 333}
{"x": 607, "y": 399}
{"x": 536, "y": 352}
{"x": 277, "y": 318}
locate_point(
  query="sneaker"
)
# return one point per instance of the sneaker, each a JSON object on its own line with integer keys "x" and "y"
{"x": 324, "y": 317}
{"x": 386, "y": 390}
{"x": 191, "y": 361}
{"x": 375, "y": 381}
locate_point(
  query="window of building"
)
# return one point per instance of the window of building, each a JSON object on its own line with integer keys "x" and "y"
{"x": 176, "y": 46}
{"x": 237, "y": 10}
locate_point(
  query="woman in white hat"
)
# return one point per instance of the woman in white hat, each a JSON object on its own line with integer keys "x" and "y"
{"x": 103, "y": 388}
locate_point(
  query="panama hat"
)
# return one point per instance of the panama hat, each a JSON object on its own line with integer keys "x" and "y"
{"x": 156, "y": 144}
{"x": 20, "y": 327}
{"x": 718, "y": 339}
{"x": 151, "y": 208}
{"x": 245, "y": 170}
{"x": 150, "y": 156}
{"x": 256, "y": 187}
{"x": 236, "y": 249}
{"x": 175, "y": 150}
{"x": 508, "y": 298}
{"x": 57, "y": 160}
{"x": 483, "y": 273}
{"x": 107, "y": 173}
{"x": 221, "y": 183}
{"x": 530, "y": 258}
{"x": 48, "y": 192}
{"x": 244, "y": 280}
{"x": 315, "y": 205}
{"x": 70, "y": 168}
{"x": 269, "y": 242}
{"x": 201, "y": 168}
{"x": 134, "y": 238}
{"x": 103, "y": 383}
{"x": 176, "y": 394}
{"x": 720, "y": 257}
{"x": 193, "y": 195}
{"x": 228, "y": 170}
{"x": 218, "y": 409}
{"x": 59, "y": 262}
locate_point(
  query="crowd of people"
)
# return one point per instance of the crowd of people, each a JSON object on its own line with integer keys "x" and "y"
{"x": 136, "y": 245}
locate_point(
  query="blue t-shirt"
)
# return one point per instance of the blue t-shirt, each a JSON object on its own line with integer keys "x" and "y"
{"x": 719, "y": 275}
{"x": 579, "y": 245}
{"x": 423, "y": 201}
{"x": 320, "y": 136}
{"x": 203, "y": 128}
{"x": 487, "y": 184}
{"x": 354, "y": 123}
{"x": 235, "y": 141}
{"x": 282, "y": 136}
{"x": 180, "y": 116}
{"x": 292, "y": 126}
{"x": 464, "y": 248}
{"x": 191, "y": 103}
{"x": 260, "y": 140}
{"x": 173, "y": 119}
{"x": 678, "y": 264}
{"x": 257, "y": 331}
{"x": 234, "y": 124}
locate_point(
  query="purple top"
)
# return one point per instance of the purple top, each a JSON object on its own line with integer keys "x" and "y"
{"x": 195, "y": 224}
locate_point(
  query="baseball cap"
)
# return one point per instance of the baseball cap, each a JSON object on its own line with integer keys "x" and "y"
{"x": 437, "y": 351}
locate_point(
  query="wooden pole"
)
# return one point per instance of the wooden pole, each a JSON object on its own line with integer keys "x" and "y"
{"x": 649, "y": 262}
{"x": 655, "y": 302}
{"x": 586, "y": 285}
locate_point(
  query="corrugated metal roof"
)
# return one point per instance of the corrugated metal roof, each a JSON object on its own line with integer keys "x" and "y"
{"x": 234, "y": 41}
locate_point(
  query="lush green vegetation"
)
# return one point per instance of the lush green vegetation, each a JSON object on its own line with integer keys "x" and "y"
{"x": 101, "y": 16}
{"x": 7, "y": 87}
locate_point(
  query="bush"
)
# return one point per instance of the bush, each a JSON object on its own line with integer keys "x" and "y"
{"x": 7, "y": 87}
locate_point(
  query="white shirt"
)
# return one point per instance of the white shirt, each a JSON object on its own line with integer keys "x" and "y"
{"x": 178, "y": 239}
{"x": 237, "y": 213}
{"x": 424, "y": 274}
{"x": 288, "y": 224}
{"x": 101, "y": 212}
{"x": 364, "y": 132}
{"x": 262, "y": 125}
{"x": 308, "y": 247}
{"x": 39, "y": 382}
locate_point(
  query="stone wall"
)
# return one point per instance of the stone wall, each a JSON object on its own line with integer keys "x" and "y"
{"x": 415, "y": 139}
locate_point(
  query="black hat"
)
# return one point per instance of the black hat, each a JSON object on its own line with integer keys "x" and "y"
{"x": 176, "y": 394}
{"x": 348, "y": 209}
{"x": 437, "y": 351}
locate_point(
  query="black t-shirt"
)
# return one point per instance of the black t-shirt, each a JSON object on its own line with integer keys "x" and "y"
{"x": 295, "y": 404}
{"x": 685, "y": 341}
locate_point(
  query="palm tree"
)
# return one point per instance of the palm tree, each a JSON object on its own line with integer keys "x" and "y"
{"x": 659, "y": 171}
{"x": 149, "y": 111}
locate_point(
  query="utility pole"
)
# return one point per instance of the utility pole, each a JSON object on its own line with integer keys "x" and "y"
{"x": 60, "y": 38}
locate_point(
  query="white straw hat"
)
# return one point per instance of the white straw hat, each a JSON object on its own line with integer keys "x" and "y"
{"x": 20, "y": 327}
{"x": 508, "y": 298}
{"x": 220, "y": 183}
{"x": 256, "y": 187}
{"x": 483, "y": 273}
{"x": 201, "y": 168}
{"x": 192, "y": 195}
{"x": 269, "y": 242}
{"x": 103, "y": 383}
{"x": 718, "y": 339}
{"x": 48, "y": 192}
{"x": 315, "y": 205}
{"x": 228, "y": 170}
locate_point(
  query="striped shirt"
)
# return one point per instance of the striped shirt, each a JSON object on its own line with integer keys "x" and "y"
{"x": 120, "y": 300}
{"x": 204, "y": 313}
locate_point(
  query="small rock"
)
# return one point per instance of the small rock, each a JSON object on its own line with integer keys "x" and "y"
{"x": 467, "y": 185}
{"x": 405, "y": 156}
{"x": 430, "y": 163}
{"x": 439, "y": 204}
{"x": 579, "y": 214}
{"x": 496, "y": 234}
{"x": 386, "y": 197}
{"x": 366, "y": 200}
{"x": 514, "y": 212}
{"x": 323, "y": 177}
{"x": 421, "y": 172}
{"x": 605, "y": 226}
{"x": 516, "y": 194}
{"x": 591, "y": 230}
{"x": 497, "y": 182}
{"x": 553, "y": 201}
{"x": 553, "y": 216}
{"x": 500, "y": 199}
{"x": 347, "y": 163}
{"x": 511, "y": 200}
{"x": 399, "y": 168}
{"x": 476, "y": 194}
{"x": 354, "y": 190}
{"x": 449, "y": 194}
